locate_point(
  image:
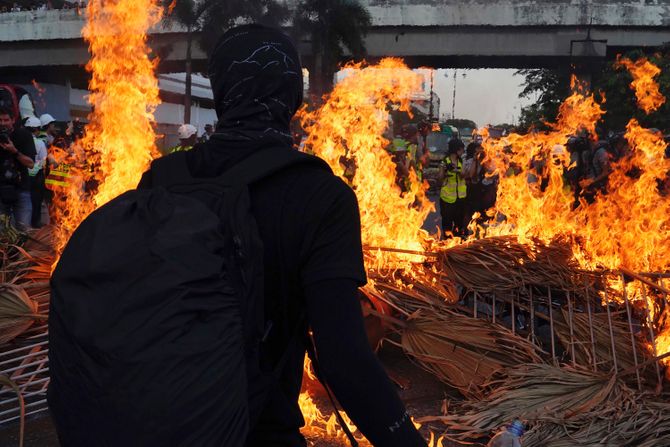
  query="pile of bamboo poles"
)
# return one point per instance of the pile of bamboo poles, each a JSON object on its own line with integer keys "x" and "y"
{"x": 594, "y": 381}
{"x": 502, "y": 263}
{"x": 24, "y": 282}
{"x": 563, "y": 407}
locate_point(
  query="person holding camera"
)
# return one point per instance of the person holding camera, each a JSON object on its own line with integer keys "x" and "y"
{"x": 453, "y": 193}
{"x": 17, "y": 155}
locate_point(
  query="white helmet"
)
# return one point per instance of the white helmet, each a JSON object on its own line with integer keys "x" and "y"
{"x": 186, "y": 131}
{"x": 46, "y": 119}
{"x": 33, "y": 123}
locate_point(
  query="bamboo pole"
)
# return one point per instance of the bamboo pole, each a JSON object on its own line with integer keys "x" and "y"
{"x": 513, "y": 315}
{"x": 572, "y": 330}
{"x": 609, "y": 320}
{"x": 624, "y": 271}
{"x": 475, "y": 307}
{"x": 593, "y": 338}
{"x": 532, "y": 314}
{"x": 551, "y": 327}
{"x": 632, "y": 334}
{"x": 650, "y": 325}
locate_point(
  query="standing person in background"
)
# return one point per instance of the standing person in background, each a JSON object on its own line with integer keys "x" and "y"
{"x": 454, "y": 190}
{"x": 473, "y": 173}
{"x": 417, "y": 154}
{"x": 17, "y": 155}
{"x": 188, "y": 136}
{"x": 37, "y": 173}
{"x": 209, "y": 131}
{"x": 424, "y": 129}
{"x": 598, "y": 162}
{"x": 49, "y": 130}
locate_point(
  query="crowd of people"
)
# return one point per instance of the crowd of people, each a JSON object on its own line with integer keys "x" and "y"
{"x": 188, "y": 137}
{"x": 468, "y": 183}
{"x": 36, "y": 160}
{"x": 39, "y": 5}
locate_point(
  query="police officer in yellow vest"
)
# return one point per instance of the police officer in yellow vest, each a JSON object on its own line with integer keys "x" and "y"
{"x": 398, "y": 151}
{"x": 454, "y": 190}
{"x": 188, "y": 136}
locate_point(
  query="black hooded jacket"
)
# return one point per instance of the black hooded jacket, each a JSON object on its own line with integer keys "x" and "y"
{"x": 309, "y": 222}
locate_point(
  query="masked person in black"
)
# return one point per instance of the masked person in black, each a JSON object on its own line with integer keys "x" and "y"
{"x": 17, "y": 155}
{"x": 309, "y": 223}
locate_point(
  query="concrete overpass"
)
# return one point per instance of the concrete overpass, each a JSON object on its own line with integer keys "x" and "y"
{"x": 438, "y": 33}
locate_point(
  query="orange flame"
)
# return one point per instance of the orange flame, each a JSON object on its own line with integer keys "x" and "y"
{"x": 349, "y": 126}
{"x": 628, "y": 226}
{"x": 119, "y": 141}
{"x": 649, "y": 97}
{"x": 522, "y": 162}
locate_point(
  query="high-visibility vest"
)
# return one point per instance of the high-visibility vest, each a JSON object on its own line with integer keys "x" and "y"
{"x": 454, "y": 186}
{"x": 59, "y": 176}
{"x": 412, "y": 148}
{"x": 399, "y": 145}
{"x": 179, "y": 148}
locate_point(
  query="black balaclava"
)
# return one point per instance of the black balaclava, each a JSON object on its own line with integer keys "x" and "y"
{"x": 257, "y": 82}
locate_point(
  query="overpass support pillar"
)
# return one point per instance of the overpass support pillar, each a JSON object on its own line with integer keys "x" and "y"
{"x": 587, "y": 58}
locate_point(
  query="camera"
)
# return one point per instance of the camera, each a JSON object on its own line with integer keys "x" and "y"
{"x": 4, "y": 136}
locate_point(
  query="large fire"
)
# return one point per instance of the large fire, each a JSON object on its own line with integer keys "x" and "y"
{"x": 648, "y": 95}
{"x": 120, "y": 141}
{"x": 536, "y": 208}
{"x": 628, "y": 226}
{"x": 625, "y": 224}
{"x": 348, "y": 129}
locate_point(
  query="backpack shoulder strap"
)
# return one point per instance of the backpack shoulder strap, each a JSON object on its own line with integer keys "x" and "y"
{"x": 173, "y": 168}
{"x": 266, "y": 162}
{"x": 170, "y": 169}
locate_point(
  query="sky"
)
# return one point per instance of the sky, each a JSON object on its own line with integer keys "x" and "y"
{"x": 485, "y": 96}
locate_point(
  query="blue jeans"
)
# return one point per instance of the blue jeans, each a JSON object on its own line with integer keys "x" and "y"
{"x": 20, "y": 211}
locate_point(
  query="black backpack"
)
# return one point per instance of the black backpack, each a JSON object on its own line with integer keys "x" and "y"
{"x": 157, "y": 313}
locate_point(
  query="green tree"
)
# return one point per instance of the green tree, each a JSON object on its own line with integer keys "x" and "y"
{"x": 206, "y": 20}
{"x": 620, "y": 101}
{"x": 552, "y": 87}
{"x": 333, "y": 26}
{"x": 459, "y": 123}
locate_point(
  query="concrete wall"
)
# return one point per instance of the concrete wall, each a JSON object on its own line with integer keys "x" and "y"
{"x": 519, "y": 13}
{"x": 438, "y": 33}
{"x": 66, "y": 24}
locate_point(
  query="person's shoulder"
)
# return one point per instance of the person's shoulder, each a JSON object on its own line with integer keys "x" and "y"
{"x": 316, "y": 174}
{"x": 23, "y": 133}
{"x": 318, "y": 185}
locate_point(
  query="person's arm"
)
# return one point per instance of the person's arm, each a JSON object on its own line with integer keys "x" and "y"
{"x": 603, "y": 161}
{"x": 21, "y": 157}
{"x": 442, "y": 173}
{"x": 469, "y": 168}
{"x": 331, "y": 273}
{"x": 351, "y": 368}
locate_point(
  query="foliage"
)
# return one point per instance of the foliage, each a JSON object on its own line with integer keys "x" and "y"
{"x": 612, "y": 85}
{"x": 333, "y": 26}
{"x": 621, "y": 104}
{"x": 550, "y": 88}
{"x": 211, "y": 18}
{"x": 461, "y": 123}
